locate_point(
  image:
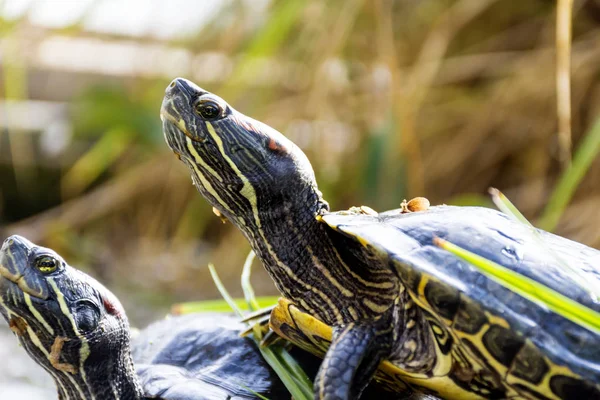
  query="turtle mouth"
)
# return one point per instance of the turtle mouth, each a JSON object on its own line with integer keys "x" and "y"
{"x": 9, "y": 281}
{"x": 174, "y": 135}
{"x": 174, "y": 126}
{"x": 173, "y": 112}
{"x": 14, "y": 271}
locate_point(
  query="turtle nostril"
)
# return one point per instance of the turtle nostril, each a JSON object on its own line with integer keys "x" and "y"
{"x": 8, "y": 242}
{"x": 172, "y": 88}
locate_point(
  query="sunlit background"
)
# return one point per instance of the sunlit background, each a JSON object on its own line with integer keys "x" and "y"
{"x": 389, "y": 99}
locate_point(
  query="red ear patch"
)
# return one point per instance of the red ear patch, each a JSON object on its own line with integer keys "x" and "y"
{"x": 274, "y": 145}
{"x": 111, "y": 307}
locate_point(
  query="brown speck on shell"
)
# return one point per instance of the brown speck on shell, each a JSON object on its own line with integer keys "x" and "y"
{"x": 414, "y": 205}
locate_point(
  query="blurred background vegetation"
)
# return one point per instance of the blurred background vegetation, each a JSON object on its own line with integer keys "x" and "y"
{"x": 389, "y": 99}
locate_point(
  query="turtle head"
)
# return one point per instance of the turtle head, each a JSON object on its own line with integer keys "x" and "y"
{"x": 67, "y": 322}
{"x": 240, "y": 165}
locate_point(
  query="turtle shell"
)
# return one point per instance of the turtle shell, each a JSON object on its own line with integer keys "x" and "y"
{"x": 486, "y": 335}
{"x": 200, "y": 356}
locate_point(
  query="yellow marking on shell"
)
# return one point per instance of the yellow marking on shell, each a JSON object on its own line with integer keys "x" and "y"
{"x": 37, "y": 315}
{"x": 477, "y": 340}
{"x": 436, "y": 329}
{"x": 364, "y": 242}
{"x": 443, "y": 362}
{"x": 410, "y": 324}
{"x": 542, "y": 388}
{"x": 285, "y": 313}
{"x": 494, "y": 320}
{"x": 84, "y": 350}
{"x": 421, "y": 286}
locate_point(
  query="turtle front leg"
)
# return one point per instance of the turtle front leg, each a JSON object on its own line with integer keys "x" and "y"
{"x": 351, "y": 361}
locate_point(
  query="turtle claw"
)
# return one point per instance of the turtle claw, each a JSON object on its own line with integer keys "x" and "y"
{"x": 362, "y": 210}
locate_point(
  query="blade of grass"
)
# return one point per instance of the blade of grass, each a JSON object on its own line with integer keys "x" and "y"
{"x": 96, "y": 160}
{"x": 570, "y": 179}
{"x": 260, "y": 396}
{"x": 224, "y": 293}
{"x": 507, "y": 207}
{"x": 286, "y": 368}
{"x": 246, "y": 285}
{"x": 528, "y": 288}
{"x": 564, "y": 11}
{"x": 219, "y": 305}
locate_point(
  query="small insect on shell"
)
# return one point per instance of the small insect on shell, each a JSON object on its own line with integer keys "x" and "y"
{"x": 414, "y": 205}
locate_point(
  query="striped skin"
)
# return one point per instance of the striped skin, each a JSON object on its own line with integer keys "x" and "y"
{"x": 68, "y": 323}
{"x": 264, "y": 184}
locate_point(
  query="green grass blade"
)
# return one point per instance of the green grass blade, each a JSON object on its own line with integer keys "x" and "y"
{"x": 528, "y": 288}
{"x": 224, "y": 293}
{"x": 220, "y": 305}
{"x": 299, "y": 387}
{"x": 284, "y": 365}
{"x": 246, "y": 285}
{"x": 569, "y": 181}
{"x": 97, "y": 160}
{"x": 260, "y": 396}
{"x": 507, "y": 207}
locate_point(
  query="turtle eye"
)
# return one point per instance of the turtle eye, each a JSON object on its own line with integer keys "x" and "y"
{"x": 208, "y": 109}
{"x": 46, "y": 264}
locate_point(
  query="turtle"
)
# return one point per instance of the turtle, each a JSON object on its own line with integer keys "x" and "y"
{"x": 377, "y": 285}
{"x": 77, "y": 330}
